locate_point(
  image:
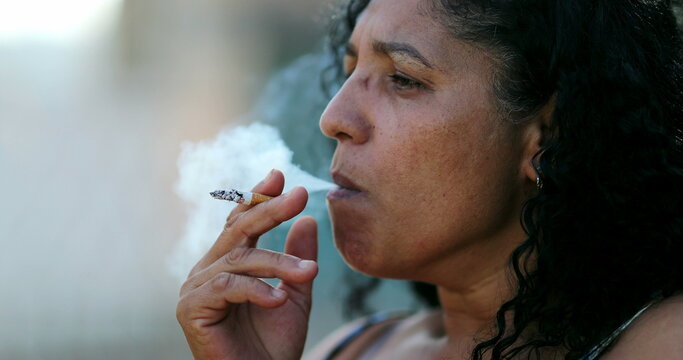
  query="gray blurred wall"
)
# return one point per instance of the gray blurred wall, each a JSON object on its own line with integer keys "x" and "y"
{"x": 89, "y": 137}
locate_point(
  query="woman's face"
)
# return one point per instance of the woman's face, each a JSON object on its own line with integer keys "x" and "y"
{"x": 428, "y": 171}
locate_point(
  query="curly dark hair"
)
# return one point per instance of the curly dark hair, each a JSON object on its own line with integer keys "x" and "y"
{"x": 605, "y": 232}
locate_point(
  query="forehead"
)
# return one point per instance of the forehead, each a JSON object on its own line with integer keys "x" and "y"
{"x": 412, "y": 22}
{"x": 401, "y": 18}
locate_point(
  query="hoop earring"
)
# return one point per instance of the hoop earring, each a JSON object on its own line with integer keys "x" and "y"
{"x": 539, "y": 173}
{"x": 539, "y": 183}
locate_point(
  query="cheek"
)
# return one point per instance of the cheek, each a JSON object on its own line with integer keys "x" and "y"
{"x": 415, "y": 178}
{"x": 426, "y": 163}
{"x": 443, "y": 188}
{"x": 436, "y": 143}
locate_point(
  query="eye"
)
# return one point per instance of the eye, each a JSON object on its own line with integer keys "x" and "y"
{"x": 403, "y": 82}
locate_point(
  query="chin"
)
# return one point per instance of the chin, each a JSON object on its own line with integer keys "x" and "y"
{"x": 355, "y": 241}
{"x": 355, "y": 250}
{"x": 362, "y": 241}
{"x": 363, "y": 252}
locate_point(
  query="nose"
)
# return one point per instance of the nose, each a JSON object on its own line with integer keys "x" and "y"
{"x": 345, "y": 118}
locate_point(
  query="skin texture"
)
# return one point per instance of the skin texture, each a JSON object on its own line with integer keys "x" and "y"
{"x": 656, "y": 334}
{"x": 225, "y": 311}
{"x": 442, "y": 176}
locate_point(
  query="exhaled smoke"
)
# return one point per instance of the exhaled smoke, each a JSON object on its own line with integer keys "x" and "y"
{"x": 236, "y": 158}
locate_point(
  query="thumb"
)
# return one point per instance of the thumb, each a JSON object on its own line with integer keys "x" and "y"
{"x": 302, "y": 242}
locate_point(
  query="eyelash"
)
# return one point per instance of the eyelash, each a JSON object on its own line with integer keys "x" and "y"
{"x": 405, "y": 83}
{"x": 402, "y": 82}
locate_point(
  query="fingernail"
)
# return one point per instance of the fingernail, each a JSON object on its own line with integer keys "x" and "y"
{"x": 306, "y": 264}
{"x": 278, "y": 294}
{"x": 265, "y": 179}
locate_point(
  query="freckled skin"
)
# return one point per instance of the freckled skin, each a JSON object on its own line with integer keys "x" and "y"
{"x": 443, "y": 174}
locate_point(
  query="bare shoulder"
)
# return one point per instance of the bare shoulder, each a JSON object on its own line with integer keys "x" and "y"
{"x": 356, "y": 335}
{"x": 656, "y": 334}
{"x": 323, "y": 348}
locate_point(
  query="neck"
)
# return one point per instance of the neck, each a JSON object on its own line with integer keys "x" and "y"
{"x": 470, "y": 302}
{"x": 468, "y": 315}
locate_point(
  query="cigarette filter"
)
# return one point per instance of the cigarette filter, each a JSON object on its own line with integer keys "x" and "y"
{"x": 240, "y": 197}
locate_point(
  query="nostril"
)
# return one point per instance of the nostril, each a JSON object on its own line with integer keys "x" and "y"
{"x": 343, "y": 136}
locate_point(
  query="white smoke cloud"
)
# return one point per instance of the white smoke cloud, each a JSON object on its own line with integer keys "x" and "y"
{"x": 236, "y": 158}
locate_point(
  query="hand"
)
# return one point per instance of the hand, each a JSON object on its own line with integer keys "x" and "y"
{"x": 226, "y": 311}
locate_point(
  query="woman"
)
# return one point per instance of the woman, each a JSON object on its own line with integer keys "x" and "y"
{"x": 458, "y": 118}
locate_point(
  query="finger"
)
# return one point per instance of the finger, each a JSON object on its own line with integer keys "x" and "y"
{"x": 302, "y": 242}
{"x": 271, "y": 185}
{"x": 212, "y": 300}
{"x": 256, "y": 263}
{"x": 245, "y": 228}
{"x": 250, "y": 225}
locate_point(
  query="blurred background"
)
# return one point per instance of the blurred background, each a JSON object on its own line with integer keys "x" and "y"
{"x": 95, "y": 98}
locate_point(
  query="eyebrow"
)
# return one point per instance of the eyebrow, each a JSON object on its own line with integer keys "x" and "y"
{"x": 389, "y": 48}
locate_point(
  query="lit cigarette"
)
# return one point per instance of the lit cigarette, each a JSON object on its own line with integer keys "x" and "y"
{"x": 240, "y": 197}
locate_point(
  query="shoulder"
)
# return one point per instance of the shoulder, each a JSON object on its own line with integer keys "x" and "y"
{"x": 357, "y": 336}
{"x": 323, "y": 348}
{"x": 656, "y": 334}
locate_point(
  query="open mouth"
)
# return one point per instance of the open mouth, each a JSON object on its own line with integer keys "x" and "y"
{"x": 346, "y": 189}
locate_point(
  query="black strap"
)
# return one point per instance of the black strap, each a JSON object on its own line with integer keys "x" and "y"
{"x": 370, "y": 321}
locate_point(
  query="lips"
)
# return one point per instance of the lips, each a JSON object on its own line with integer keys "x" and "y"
{"x": 347, "y": 188}
{"x": 344, "y": 182}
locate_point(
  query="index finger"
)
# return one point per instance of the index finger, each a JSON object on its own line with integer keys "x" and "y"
{"x": 271, "y": 185}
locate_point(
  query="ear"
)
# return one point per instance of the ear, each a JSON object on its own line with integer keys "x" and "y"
{"x": 536, "y": 134}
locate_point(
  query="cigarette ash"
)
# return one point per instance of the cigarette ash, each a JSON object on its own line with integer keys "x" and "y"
{"x": 229, "y": 195}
